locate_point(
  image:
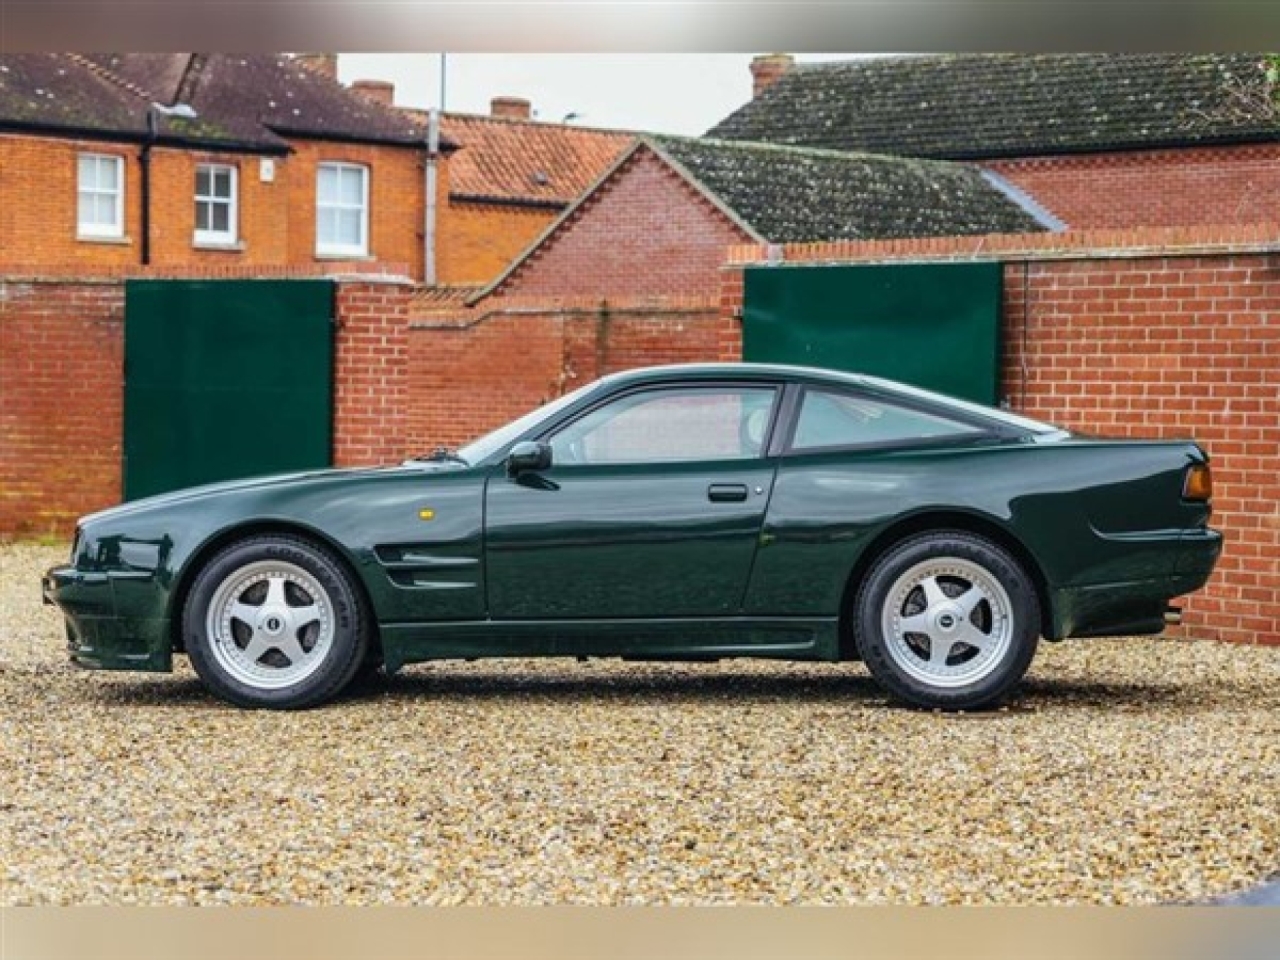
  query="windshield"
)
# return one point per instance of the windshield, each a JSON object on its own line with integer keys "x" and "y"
{"x": 491, "y": 443}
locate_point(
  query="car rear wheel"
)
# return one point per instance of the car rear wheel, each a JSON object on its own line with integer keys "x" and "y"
{"x": 947, "y": 621}
{"x": 275, "y": 622}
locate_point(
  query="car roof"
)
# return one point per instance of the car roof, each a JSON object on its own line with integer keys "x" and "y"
{"x": 711, "y": 371}
{"x": 795, "y": 373}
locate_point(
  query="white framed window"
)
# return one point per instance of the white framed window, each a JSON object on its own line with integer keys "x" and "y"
{"x": 216, "y": 203}
{"x": 100, "y": 195}
{"x": 342, "y": 209}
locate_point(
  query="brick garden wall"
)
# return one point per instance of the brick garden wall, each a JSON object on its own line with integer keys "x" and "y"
{"x": 1146, "y": 334}
{"x": 62, "y": 387}
{"x": 61, "y": 402}
{"x": 472, "y": 372}
{"x": 1153, "y": 188}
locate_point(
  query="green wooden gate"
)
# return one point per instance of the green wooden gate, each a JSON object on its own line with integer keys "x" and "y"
{"x": 225, "y": 379}
{"x": 933, "y": 325}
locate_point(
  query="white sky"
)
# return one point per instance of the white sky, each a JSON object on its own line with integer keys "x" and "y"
{"x": 682, "y": 93}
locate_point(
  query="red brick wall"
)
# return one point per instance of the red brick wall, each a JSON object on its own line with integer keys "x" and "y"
{"x": 477, "y": 241}
{"x": 1233, "y": 184}
{"x": 645, "y": 232}
{"x": 62, "y": 391}
{"x": 1170, "y": 347}
{"x": 371, "y": 373}
{"x": 61, "y": 402}
{"x": 38, "y": 183}
{"x": 1125, "y": 338}
{"x": 470, "y": 374}
{"x": 396, "y": 199}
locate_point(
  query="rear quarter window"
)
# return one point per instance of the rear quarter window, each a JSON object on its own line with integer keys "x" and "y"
{"x": 831, "y": 419}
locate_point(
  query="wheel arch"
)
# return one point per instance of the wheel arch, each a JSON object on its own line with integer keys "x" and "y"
{"x": 256, "y": 528}
{"x": 936, "y": 521}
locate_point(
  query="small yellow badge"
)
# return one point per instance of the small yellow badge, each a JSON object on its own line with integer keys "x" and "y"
{"x": 426, "y": 513}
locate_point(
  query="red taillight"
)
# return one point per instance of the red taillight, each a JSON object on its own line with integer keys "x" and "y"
{"x": 1199, "y": 483}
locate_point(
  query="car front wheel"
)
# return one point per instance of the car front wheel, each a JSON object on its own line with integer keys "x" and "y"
{"x": 275, "y": 622}
{"x": 947, "y": 621}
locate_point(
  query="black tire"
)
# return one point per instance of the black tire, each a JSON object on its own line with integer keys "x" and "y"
{"x": 311, "y": 583}
{"x": 940, "y": 669}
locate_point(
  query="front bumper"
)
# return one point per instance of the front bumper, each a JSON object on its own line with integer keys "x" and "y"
{"x": 98, "y": 635}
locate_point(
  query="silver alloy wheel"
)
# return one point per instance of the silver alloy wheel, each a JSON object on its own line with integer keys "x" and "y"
{"x": 947, "y": 622}
{"x": 270, "y": 624}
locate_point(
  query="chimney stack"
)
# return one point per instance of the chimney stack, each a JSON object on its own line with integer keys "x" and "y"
{"x": 325, "y": 64}
{"x": 379, "y": 91}
{"x": 768, "y": 69}
{"x": 511, "y": 108}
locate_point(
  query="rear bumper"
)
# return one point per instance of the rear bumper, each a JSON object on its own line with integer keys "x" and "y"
{"x": 1137, "y": 607}
{"x": 97, "y": 637}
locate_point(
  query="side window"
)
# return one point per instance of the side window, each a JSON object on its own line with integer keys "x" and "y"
{"x": 831, "y": 419}
{"x": 654, "y": 426}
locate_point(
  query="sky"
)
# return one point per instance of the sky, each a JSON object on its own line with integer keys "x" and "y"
{"x": 681, "y": 93}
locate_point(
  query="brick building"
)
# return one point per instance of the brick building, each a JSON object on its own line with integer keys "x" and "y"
{"x": 274, "y": 164}
{"x": 511, "y": 177}
{"x": 1100, "y": 140}
{"x": 658, "y": 223}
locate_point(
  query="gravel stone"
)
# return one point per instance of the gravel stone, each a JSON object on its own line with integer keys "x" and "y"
{"x": 1135, "y": 771}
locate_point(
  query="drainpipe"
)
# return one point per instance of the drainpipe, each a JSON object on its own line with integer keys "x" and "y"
{"x": 144, "y": 162}
{"x": 429, "y": 227}
{"x": 182, "y": 111}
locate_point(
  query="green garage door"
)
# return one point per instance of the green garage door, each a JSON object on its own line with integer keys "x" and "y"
{"x": 933, "y": 325}
{"x": 225, "y": 379}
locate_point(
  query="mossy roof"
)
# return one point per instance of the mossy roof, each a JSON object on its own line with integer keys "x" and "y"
{"x": 980, "y": 106}
{"x": 797, "y": 195}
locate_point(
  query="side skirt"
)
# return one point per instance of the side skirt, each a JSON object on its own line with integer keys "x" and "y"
{"x": 780, "y": 638}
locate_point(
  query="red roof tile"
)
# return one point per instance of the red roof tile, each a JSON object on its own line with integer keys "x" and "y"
{"x": 524, "y": 161}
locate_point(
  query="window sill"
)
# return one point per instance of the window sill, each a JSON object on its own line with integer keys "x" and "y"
{"x": 236, "y": 246}
{"x": 94, "y": 238}
{"x": 328, "y": 255}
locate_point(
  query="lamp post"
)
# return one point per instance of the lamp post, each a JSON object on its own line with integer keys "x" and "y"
{"x": 183, "y": 111}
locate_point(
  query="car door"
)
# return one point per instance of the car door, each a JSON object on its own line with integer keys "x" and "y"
{"x": 652, "y": 507}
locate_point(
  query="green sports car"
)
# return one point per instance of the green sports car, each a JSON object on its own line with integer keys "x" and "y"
{"x": 681, "y": 513}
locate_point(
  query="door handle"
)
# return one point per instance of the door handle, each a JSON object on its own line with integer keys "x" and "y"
{"x": 727, "y": 492}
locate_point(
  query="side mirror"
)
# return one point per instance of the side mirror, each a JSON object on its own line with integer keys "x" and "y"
{"x": 528, "y": 455}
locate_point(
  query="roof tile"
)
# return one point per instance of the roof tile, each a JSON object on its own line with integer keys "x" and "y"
{"x": 797, "y": 195}
{"x": 976, "y": 106}
{"x": 510, "y": 160}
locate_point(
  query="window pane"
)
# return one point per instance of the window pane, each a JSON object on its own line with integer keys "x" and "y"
{"x": 221, "y": 217}
{"x": 85, "y": 212}
{"x": 352, "y": 186}
{"x": 106, "y": 210}
{"x": 326, "y": 185}
{"x": 326, "y": 228}
{"x": 222, "y": 183}
{"x": 202, "y": 181}
{"x": 203, "y": 217}
{"x": 667, "y": 425}
{"x": 107, "y": 173}
{"x": 841, "y": 420}
{"x": 88, "y": 172}
{"x": 348, "y": 227}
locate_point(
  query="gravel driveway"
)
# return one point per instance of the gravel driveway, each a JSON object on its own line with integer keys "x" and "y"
{"x": 1124, "y": 772}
